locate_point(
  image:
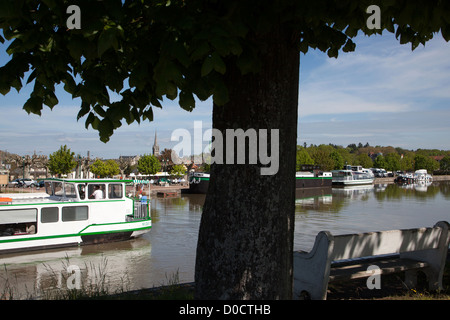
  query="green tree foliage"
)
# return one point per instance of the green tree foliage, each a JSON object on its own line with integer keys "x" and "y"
{"x": 396, "y": 159}
{"x": 379, "y": 162}
{"x": 425, "y": 162}
{"x": 322, "y": 156}
{"x": 349, "y": 158}
{"x": 303, "y": 158}
{"x": 104, "y": 169}
{"x": 364, "y": 160}
{"x": 178, "y": 170}
{"x": 338, "y": 160}
{"x": 445, "y": 163}
{"x": 98, "y": 168}
{"x": 148, "y": 164}
{"x": 392, "y": 161}
{"x": 206, "y": 167}
{"x": 62, "y": 161}
{"x": 407, "y": 163}
{"x": 352, "y": 147}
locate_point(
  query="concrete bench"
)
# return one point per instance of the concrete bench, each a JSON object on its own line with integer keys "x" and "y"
{"x": 346, "y": 257}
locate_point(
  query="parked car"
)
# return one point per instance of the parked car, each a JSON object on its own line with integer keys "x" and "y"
{"x": 40, "y": 184}
{"x": 16, "y": 183}
{"x": 24, "y": 183}
{"x": 29, "y": 182}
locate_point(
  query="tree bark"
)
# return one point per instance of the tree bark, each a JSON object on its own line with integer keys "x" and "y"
{"x": 245, "y": 244}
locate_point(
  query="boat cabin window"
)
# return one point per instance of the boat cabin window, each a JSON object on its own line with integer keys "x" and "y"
{"x": 96, "y": 191}
{"x": 82, "y": 191}
{"x": 70, "y": 190}
{"x": 18, "y": 222}
{"x": 75, "y": 213}
{"x": 48, "y": 187}
{"x": 57, "y": 189}
{"x": 115, "y": 191}
{"x": 49, "y": 215}
{"x": 54, "y": 188}
{"x": 340, "y": 174}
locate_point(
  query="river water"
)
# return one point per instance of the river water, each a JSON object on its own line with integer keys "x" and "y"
{"x": 167, "y": 252}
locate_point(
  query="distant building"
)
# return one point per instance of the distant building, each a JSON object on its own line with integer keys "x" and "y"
{"x": 155, "y": 147}
{"x": 437, "y": 158}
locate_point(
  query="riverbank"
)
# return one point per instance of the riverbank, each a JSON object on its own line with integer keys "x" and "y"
{"x": 392, "y": 288}
{"x": 154, "y": 189}
{"x": 391, "y": 179}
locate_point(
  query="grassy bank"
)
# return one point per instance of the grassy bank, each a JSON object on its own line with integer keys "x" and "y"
{"x": 392, "y": 288}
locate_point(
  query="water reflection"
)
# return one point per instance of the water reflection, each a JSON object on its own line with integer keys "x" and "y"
{"x": 371, "y": 208}
{"x": 166, "y": 252}
{"x": 169, "y": 248}
{"x": 123, "y": 262}
{"x": 419, "y": 191}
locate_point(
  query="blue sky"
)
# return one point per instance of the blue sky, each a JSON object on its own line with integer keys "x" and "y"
{"x": 383, "y": 93}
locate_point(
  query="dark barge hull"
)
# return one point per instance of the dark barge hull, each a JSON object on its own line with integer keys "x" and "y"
{"x": 313, "y": 182}
{"x": 197, "y": 187}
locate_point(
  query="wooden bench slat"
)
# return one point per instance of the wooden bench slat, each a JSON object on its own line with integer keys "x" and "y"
{"x": 384, "y": 242}
{"x": 359, "y": 270}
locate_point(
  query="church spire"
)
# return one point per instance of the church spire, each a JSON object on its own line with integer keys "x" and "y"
{"x": 155, "y": 147}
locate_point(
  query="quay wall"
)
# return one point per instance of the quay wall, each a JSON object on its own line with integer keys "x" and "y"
{"x": 441, "y": 178}
{"x": 391, "y": 179}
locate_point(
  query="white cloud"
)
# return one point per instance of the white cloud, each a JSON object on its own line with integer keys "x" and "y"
{"x": 23, "y": 134}
{"x": 381, "y": 76}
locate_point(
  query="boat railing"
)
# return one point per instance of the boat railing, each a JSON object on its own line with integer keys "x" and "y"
{"x": 141, "y": 209}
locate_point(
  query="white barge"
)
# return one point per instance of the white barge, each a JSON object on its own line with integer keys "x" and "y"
{"x": 352, "y": 175}
{"x": 71, "y": 212}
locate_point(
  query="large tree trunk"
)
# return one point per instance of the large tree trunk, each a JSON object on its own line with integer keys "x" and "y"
{"x": 245, "y": 244}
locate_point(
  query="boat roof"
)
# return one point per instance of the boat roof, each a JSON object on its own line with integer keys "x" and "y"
{"x": 89, "y": 180}
{"x": 201, "y": 174}
{"x": 304, "y": 173}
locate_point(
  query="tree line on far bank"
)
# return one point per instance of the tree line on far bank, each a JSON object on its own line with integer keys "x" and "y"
{"x": 327, "y": 157}
{"x": 64, "y": 161}
{"x": 332, "y": 157}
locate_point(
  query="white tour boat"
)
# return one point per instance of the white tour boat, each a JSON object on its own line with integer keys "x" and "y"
{"x": 422, "y": 176}
{"x": 71, "y": 212}
{"x": 350, "y": 176}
